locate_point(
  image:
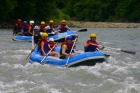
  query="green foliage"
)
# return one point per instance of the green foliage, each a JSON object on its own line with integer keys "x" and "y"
{"x": 82, "y": 10}
{"x": 6, "y": 9}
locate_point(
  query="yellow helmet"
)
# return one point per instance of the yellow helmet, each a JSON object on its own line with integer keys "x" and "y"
{"x": 92, "y": 35}
{"x": 42, "y": 23}
{"x": 51, "y": 21}
{"x": 44, "y": 35}
{"x": 63, "y": 21}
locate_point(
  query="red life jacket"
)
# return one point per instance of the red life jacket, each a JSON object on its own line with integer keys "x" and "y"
{"x": 63, "y": 28}
{"x": 51, "y": 45}
{"x": 69, "y": 47}
{"x": 25, "y": 28}
{"x": 46, "y": 48}
{"x": 18, "y": 28}
{"x": 91, "y": 48}
{"x": 89, "y": 41}
{"x": 42, "y": 27}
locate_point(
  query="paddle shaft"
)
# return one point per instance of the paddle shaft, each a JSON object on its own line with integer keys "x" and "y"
{"x": 32, "y": 50}
{"x": 126, "y": 51}
{"x": 81, "y": 30}
{"x": 48, "y": 53}
{"x": 71, "y": 50}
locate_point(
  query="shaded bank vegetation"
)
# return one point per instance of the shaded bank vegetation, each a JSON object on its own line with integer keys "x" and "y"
{"x": 80, "y": 10}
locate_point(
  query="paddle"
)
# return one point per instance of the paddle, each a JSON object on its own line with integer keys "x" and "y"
{"x": 32, "y": 50}
{"x": 49, "y": 52}
{"x": 71, "y": 50}
{"x": 81, "y": 30}
{"x": 126, "y": 51}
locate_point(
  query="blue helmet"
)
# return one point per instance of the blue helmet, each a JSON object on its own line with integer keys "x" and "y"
{"x": 24, "y": 22}
{"x": 69, "y": 38}
{"x": 36, "y": 27}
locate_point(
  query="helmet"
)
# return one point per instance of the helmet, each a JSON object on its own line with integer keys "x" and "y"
{"x": 68, "y": 38}
{"x": 92, "y": 35}
{"x": 51, "y": 21}
{"x": 19, "y": 20}
{"x": 42, "y": 23}
{"x": 24, "y": 22}
{"x": 31, "y": 22}
{"x": 51, "y": 39}
{"x": 36, "y": 27}
{"x": 63, "y": 21}
{"x": 44, "y": 35}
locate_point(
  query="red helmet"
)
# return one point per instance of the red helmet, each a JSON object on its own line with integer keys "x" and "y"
{"x": 19, "y": 20}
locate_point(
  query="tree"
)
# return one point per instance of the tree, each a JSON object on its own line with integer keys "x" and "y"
{"x": 6, "y": 9}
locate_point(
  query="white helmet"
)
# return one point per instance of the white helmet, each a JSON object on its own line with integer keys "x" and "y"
{"x": 51, "y": 39}
{"x": 31, "y": 22}
{"x": 36, "y": 27}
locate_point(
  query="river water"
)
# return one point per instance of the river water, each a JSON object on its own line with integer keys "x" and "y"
{"x": 121, "y": 74}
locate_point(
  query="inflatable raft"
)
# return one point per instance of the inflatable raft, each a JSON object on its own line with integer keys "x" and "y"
{"x": 81, "y": 59}
{"x": 57, "y": 38}
{"x": 22, "y": 38}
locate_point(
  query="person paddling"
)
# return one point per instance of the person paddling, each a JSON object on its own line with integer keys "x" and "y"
{"x": 49, "y": 28}
{"x": 31, "y": 28}
{"x": 37, "y": 35}
{"x": 25, "y": 28}
{"x": 63, "y": 27}
{"x": 42, "y": 26}
{"x": 92, "y": 45}
{"x": 17, "y": 27}
{"x": 44, "y": 46}
{"x": 66, "y": 48}
{"x": 51, "y": 45}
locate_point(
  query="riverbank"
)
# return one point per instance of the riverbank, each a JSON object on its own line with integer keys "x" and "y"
{"x": 103, "y": 24}
{"x": 87, "y": 24}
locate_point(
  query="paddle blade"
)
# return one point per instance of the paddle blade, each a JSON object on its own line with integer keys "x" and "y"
{"x": 106, "y": 55}
{"x": 50, "y": 34}
{"x": 129, "y": 52}
{"x": 82, "y": 30}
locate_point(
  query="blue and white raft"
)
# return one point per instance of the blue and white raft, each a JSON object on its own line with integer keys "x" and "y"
{"x": 82, "y": 59}
{"x": 61, "y": 36}
{"x": 22, "y": 38}
{"x": 57, "y": 38}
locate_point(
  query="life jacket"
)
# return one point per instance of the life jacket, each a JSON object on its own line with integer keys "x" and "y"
{"x": 46, "y": 48}
{"x": 69, "y": 47}
{"x": 36, "y": 38}
{"x": 18, "y": 28}
{"x": 42, "y": 28}
{"x": 91, "y": 48}
{"x": 51, "y": 45}
{"x": 63, "y": 28}
{"x": 25, "y": 28}
{"x": 50, "y": 30}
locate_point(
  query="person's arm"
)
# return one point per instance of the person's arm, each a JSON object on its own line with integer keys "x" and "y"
{"x": 86, "y": 44}
{"x": 64, "y": 47}
{"x": 30, "y": 30}
{"x": 75, "y": 48}
{"x": 100, "y": 47}
{"x": 68, "y": 28}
